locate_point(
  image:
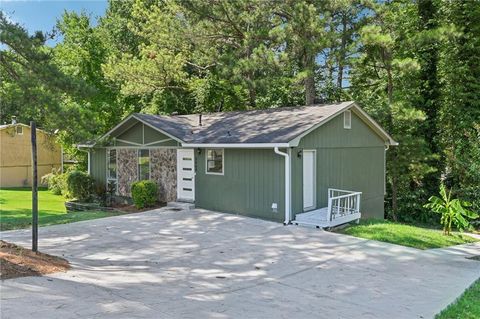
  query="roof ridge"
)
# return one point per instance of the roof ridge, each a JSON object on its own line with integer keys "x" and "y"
{"x": 253, "y": 110}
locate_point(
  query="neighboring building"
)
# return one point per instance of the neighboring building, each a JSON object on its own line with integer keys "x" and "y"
{"x": 16, "y": 155}
{"x": 276, "y": 164}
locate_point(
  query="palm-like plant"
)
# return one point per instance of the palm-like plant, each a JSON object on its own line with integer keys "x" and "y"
{"x": 452, "y": 210}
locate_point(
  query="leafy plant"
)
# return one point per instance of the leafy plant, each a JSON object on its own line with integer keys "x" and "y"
{"x": 144, "y": 193}
{"x": 79, "y": 185}
{"x": 452, "y": 210}
{"x": 57, "y": 183}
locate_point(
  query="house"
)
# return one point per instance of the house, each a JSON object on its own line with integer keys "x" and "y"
{"x": 320, "y": 165}
{"x": 16, "y": 154}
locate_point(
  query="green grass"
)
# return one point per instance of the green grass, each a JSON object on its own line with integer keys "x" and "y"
{"x": 467, "y": 306}
{"x": 405, "y": 235}
{"x": 16, "y": 203}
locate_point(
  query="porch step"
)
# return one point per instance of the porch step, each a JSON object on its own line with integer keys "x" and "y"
{"x": 181, "y": 205}
{"x": 318, "y": 218}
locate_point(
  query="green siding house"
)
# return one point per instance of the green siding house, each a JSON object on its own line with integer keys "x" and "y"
{"x": 320, "y": 165}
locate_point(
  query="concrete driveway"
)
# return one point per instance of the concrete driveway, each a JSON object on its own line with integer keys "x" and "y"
{"x": 200, "y": 264}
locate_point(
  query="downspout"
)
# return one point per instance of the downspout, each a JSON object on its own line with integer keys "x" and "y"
{"x": 88, "y": 158}
{"x": 61, "y": 150}
{"x": 287, "y": 183}
{"x": 387, "y": 146}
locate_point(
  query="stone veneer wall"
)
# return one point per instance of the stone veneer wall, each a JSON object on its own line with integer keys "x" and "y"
{"x": 127, "y": 170}
{"x": 163, "y": 170}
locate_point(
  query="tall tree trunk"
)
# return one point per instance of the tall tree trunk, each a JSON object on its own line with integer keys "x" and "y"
{"x": 342, "y": 51}
{"x": 252, "y": 93}
{"x": 309, "y": 90}
{"x": 388, "y": 65}
{"x": 309, "y": 81}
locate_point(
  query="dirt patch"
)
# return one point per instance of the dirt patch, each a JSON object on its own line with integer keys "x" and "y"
{"x": 16, "y": 261}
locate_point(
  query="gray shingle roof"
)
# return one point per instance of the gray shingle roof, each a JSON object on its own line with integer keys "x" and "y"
{"x": 276, "y": 125}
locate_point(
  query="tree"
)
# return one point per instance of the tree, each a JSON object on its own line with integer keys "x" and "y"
{"x": 459, "y": 115}
{"x": 385, "y": 80}
{"x": 427, "y": 45}
{"x": 32, "y": 85}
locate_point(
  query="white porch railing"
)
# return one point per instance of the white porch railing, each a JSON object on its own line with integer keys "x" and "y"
{"x": 342, "y": 203}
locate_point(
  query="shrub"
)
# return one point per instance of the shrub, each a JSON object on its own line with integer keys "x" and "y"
{"x": 79, "y": 185}
{"x": 144, "y": 193}
{"x": 46, "y": 179}
{"x": 452, "y": 210}
{"x": 57, "y": 184}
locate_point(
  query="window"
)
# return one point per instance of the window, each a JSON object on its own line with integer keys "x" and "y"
{"x": 19, "y": 129}
{"x": 112, "y": 170}
{"x": 214, "y": 161}
{"x": 143, "y": 164}
{"x": 347, "y": 119}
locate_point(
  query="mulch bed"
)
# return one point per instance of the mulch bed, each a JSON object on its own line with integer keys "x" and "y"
{"x": 16, "y": 261}
{"x": 132, "y": 209}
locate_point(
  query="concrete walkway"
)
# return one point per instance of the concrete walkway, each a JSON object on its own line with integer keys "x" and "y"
{"x": 199, "y": 264}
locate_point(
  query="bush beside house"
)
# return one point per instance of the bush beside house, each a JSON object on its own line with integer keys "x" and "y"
{"x": 144, "y": 193}
{"x": 79, "y": 185}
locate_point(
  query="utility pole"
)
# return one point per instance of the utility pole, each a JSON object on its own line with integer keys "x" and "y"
{"x": 33, "y": 130}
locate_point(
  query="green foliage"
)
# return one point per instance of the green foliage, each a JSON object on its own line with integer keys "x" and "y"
{"x": 459, "y": 75}
{"x": 452, "y": 210}
{"x": 79, "y": 185}
{"x": 144, "y": 193}
{"x": 466, "y": 306}
{"x": 405, "y": 235}
{"x": 57, "y": 184}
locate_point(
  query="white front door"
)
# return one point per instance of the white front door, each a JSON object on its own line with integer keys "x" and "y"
{"x": 186, "y": 175}
{"x": 309, "y": 179}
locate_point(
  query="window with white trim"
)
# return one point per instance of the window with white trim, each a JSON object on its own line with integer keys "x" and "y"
{"x": 143, "y": 164}
{"x": 214, "y": 161}
{"x": 347, "y": 119}
{"x": 19, "y": 130}
{"x": 112, "y": 170}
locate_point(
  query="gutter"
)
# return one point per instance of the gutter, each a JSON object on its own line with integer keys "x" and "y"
{"x": 287, "y": 183}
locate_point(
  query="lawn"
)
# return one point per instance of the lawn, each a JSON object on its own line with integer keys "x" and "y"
{"x": 406, "y": 235}
{"x": 467, "y": 306}
{"x": 15, "y": 209}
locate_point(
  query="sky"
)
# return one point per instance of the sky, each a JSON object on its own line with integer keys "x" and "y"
{"x": 42, "y": 15}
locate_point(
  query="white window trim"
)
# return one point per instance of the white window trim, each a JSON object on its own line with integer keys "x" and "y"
{"x": 349, "y": 113}
{"x": 21, "y": 130}
{"x": 108, "y": 179}
{"x": 206, "y": 161}
{"x": 149, "y": 164}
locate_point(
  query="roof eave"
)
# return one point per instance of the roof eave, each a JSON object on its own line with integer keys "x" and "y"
{"x": 236, "y": 145}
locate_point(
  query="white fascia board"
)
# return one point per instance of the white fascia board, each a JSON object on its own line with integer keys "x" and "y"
{"x": 116, "y": 126}
{"x": 141, "y": 121}
{"x": 297, "y": 139}
{"x": 374, "y": 125}
{"x": 157, "y": 129}
{"x": 361, "y": 113}
{"x": 238, "y": 145}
